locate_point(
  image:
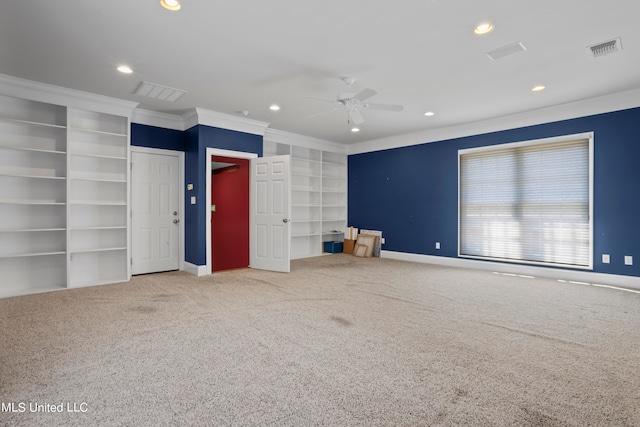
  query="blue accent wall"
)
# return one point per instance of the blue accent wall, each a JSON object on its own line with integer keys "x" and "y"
{"x": 156, "y": 137}
{"x": 411, "y": 193}
{"x": 197, "y": 140}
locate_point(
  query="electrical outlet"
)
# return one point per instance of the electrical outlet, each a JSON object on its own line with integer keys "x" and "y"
{"x": 628, "y": 260}
{"x": 193, "y": 200}
{"x": 437, "y": 245}
{"x": 606, "y": 258}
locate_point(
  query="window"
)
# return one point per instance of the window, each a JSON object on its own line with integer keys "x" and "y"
{"x": 528, "y": 202}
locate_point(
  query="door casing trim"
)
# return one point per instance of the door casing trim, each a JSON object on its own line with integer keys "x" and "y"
{"x": 225, "y": 153}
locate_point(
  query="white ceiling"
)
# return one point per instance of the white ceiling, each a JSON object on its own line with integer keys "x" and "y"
{"x": 246, "y": 55}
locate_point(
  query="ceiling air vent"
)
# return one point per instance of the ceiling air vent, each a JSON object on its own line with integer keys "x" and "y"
{"x": 605, "y": 48}
{"x": 156, "y": 91}
{"x": 503, "y": 51}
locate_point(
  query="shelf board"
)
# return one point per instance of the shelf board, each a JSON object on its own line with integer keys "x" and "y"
{"x": 35, "y": 150}
{"x": 305, "y": 175}
{"x": 31, "y": 176}
{"x": 304, "y": 189}
{"x": 97, "y": 203}
{"x": 83, "y": 178}
{"x": 324, "y": 162}
{"x": 84, "y": 251}
{"x": 99, "y": 156}
{"x": 31, "y": 202}
{"x": 28, "y": 230}
{"x": 115, "y": 227}
{"x": 99, "y": 132}
{"x": 307, "y": 159}
{"x": 32, "y": 254}
{"x": 306, "y": 235}
{"x": 31, "y": 123}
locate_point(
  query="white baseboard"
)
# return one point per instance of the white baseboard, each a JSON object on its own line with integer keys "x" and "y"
{"x": 631, "y": 282}
{"x": 196, "y": 270}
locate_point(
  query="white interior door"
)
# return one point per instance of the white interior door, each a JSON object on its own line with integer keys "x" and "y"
{"x": 155, "y": 208}
{"x": 269, "y": 217}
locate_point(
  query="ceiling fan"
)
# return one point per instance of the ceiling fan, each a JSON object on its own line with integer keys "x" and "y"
{"x": 354, "y": 103}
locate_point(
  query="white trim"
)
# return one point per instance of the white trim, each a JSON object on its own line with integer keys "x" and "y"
{"x": 588, "y": 107}
{"x": 528, "y": 143}
{"x": 181, "y": 200}
{"x": 225, "y": 153}
{"x": 72, "y": 98}
{"x": 550, "y": 273}
{"x": 226, "y": 121}
{"x": 190, "y": 118}
{"x": 161, "y": 120}
{"x": 289, "y": 138}
{"x": 196, "y": 270}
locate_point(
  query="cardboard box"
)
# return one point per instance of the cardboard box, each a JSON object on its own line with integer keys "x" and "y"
{"x": 348, "y": 246}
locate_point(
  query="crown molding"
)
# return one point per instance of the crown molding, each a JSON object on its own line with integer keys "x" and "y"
{"x": 200, "y": 116}
{"x": 190, "y": 118}
{"x": 154, "y": 118}
{"x": 586, "y": 107}
{"x": 289, "y": 138}
{"x": 42, "y": 92}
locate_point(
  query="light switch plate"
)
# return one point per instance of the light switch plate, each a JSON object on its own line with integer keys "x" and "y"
{"x": 193, "y": 200}
{"x": 189, "y": 186}
{"x": 606, "y": 258}
{"x": 628, "y": 260}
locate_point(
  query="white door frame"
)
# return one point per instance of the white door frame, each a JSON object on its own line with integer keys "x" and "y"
{"x": 180, "y": 156}
{"x": 224, "y": 153}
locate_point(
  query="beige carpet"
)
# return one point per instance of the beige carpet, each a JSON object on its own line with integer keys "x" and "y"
{"x": 338, "y": 341}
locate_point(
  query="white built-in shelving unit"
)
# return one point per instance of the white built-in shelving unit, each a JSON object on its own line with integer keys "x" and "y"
{"x": 63, "y": 196}
{"x": 98, "y": 197}
{"x": 318, "y": 196}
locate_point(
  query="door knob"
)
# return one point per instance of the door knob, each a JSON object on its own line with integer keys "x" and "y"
{"x": 175, "y": 213}
{"x": 285, "y": 220}
{"x": 175, "y": 221}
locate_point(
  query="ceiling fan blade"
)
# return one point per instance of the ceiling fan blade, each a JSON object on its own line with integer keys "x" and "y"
{"x": 384, "y": 107}
{"x": 331, "y": 101}
{"x": 355, "y": 117}
{"x": 365, "y": 94}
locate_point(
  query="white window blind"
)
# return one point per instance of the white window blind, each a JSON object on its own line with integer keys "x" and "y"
{"x": 528, "y": 203}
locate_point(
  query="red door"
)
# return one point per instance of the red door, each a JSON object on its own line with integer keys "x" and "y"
{"x": 230, "y": 217}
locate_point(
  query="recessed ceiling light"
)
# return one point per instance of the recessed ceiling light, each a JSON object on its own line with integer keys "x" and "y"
{"x": 124, "y": 69}
{"x": 484, "y": 28}
{"x": 429, "y": 113}
{"x": 538, "y": 88}
{"x": 274, "y": 107}
{"x": 354, "y": 130}
{"x": 172, "y": 5}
